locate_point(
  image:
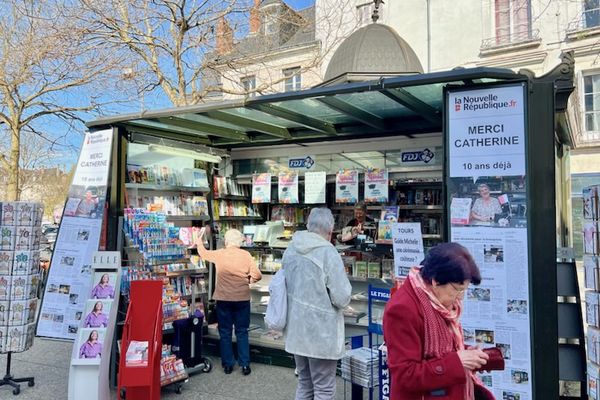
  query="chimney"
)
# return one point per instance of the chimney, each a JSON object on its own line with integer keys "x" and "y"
{"x": 224, "y": 37}
{"x": 255, "y": 18}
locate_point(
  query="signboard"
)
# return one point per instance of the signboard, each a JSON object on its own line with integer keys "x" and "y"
{"x": 261, "y": 188}
{"x": 304, "y": 163}
{"x": 288, "y": 187}
{"x": 376, "y": 185}
{"x": 68, "y": 284}
{"x": 314, "y": 187}
{"x": 487, "y": 169}
{"x": 407, "y": 246}
{"x": 417, "y": 157}
{"x": 346, "y": 186}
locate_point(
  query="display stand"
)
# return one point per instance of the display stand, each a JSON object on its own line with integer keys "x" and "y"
{"x": 19, "y": 279}
{"x": 14, "y": 382}
{"x": 89, "y": 373}
{"x": 143, "y": 323}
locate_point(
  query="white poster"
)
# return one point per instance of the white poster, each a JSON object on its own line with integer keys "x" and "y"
{"x": 261, "y": 188}
{"x": 346, "y": 186}
{"x": 376, "y": 185}
{"x": 407, "y": 246}
{"x": 68, "y": 283}
{"x": 488, "y": 212}
{"x": 314, "y": 187}
{"x": 288, "y": 187}
{"x": 496, "y": 312}
{"x": 486, "y": 132}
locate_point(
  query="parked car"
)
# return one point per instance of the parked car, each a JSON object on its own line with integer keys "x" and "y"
{"x": 49, "y": 233}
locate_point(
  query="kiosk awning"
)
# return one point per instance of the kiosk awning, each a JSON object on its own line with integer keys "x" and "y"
{"x": 401, "y": 105}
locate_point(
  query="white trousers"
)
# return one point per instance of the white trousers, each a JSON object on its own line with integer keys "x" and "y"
{"x": 316, "y": 378}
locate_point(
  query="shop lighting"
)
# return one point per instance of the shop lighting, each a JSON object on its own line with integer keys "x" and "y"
{"x": 197, "y": 155}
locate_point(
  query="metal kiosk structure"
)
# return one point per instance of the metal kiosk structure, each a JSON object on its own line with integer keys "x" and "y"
{"x": 403, "y": 106}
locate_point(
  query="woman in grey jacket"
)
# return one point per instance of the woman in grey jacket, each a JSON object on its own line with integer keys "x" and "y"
{"x": 318, "y": 290}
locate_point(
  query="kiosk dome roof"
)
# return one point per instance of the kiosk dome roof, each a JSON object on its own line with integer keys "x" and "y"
{"x": 375, "y": 48}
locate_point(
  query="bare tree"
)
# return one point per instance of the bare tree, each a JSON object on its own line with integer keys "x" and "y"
{"x": 47, "y": 68}
{"x": 190, "y": 48}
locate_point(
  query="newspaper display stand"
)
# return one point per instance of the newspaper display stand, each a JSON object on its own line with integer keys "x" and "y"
{"x": 145, "y": 311}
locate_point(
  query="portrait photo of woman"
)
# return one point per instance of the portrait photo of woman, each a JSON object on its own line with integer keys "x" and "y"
{"x": 104, "y": 289}
{"x": 92, "y": 347}
{"x": 96, "y": 318}
{"x": 485, "y": 207}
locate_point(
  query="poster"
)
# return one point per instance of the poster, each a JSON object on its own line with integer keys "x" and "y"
{"x": 288, "y": 187}
{"x": 487, "y": 185}
{"x": 314, "y": 187}
{"x": 487, "y": 132}
{"x": 376, "y": 185}
{"x": 261, "y": 188}
{"x": 346, "y": 186}
{"x": 68, "y": 282}
{"x": 407, "y": 246}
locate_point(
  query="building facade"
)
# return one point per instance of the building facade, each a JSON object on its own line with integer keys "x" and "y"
{"x": 515, "y": 34}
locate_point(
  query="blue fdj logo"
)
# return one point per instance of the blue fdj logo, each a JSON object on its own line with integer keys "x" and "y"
{"x": 414, "y": 156}
{"x": 306, "y": 162}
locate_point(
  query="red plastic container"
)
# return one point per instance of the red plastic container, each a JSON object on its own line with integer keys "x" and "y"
{"x": 143, "y": 323}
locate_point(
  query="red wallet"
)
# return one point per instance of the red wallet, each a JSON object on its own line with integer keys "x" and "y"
{"x": 495, "y": 362}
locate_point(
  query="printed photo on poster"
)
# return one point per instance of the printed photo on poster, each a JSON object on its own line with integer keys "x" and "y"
{"x": 85, "y": 201}
{"x": 90, "y": 343}
{"x": 498, "y": 202}
{"x": 104, "y": 285}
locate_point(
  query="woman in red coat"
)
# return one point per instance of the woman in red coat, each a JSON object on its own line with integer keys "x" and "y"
{"x": 427, "y": 357}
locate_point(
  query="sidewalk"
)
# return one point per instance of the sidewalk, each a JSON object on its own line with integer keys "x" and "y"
{"x": 48, "y": 362}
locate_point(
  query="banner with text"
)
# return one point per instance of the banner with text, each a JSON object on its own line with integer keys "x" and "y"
{"x": 346, "y": 186}
{"x": 488, "y": 215}
{"x": 68, "y": 283}
{"x": 261, "y": 188}
{"x": 376, "y": 185}
{"x": 315, "y": 184}
{"x": 288, "y": 187}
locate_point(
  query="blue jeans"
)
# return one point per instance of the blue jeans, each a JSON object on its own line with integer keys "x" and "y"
{"x": 230, "y": 314}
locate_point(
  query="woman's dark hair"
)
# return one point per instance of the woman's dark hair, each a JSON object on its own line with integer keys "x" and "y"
{"x": 450, "y": 263}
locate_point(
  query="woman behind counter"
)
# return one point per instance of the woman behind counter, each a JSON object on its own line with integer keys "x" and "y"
{"x": 426, "y": 352}
{"x": 485, "y": 207}
{"x": 235, "y": 269}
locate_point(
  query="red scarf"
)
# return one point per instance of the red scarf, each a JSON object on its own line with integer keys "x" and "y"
{"x": 443, "y": 332}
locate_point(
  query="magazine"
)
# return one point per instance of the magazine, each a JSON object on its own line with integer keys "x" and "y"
{"x": 384, "y": 232}
{"x": 137, "y": 354}
{"x": 389, "y": 213}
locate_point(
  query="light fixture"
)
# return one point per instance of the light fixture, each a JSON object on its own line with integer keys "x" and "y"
{"x": 173, "y": 151}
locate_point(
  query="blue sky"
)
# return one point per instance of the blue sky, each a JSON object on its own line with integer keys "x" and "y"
{"x": 300, "y": 4}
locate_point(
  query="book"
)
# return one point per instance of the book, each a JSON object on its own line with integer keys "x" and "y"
{"x": 374, "y": 269}
{"x": 389, "y": 213}
{"x": 137, "y": 354}
{"x": 384, "y": 232}
{"x": 133, "y": 173}
{"x": 387, "y": 268}
{"x": 360, "y": 270}
{"x": 349, "y": 264}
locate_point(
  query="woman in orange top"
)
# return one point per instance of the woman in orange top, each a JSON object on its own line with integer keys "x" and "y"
{"x": 235, "y": 269}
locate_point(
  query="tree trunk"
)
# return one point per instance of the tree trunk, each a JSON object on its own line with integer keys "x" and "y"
{"x": 12, "y": 193}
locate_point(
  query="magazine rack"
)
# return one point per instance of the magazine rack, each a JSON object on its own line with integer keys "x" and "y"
{"x": 143, "y": 323}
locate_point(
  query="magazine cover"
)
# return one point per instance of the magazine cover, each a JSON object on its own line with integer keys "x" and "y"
{"x": 137, "y": 354}
{"x": 389, "y": 213}
{"x": 133, "y": 173}
{"x": 376, "y": 186}
{"x": 261, "y": 188}
{"x": 590, "y": 267}
{"x": 590, "y": 202}
{"x": 346, "y": 186}
{"x": 384, "y": 232}
{"x": 460, "y": 211}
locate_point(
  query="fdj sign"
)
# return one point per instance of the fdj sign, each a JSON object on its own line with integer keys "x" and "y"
{"x": 418, "y": 156}
{"x": 306, "y": 162}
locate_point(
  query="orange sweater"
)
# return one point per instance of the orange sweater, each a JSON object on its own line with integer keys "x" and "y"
{"x": 236, "y": 269}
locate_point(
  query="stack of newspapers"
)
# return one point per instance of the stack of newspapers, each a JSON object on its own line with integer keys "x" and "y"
{"x": 361, "y": 366}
